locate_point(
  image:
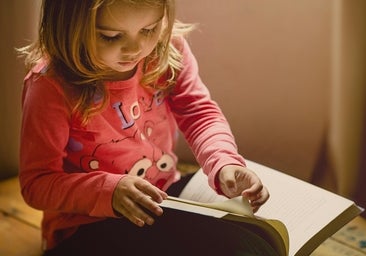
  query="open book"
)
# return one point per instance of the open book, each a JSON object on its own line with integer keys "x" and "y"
{"x": 296, "y": 219}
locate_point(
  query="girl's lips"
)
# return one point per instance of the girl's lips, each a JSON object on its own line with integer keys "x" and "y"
{"x": 127, "y": 63}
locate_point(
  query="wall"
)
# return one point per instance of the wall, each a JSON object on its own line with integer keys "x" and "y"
{"x": 347, "y": 133}
{"x": 18, "y": 20}
{"x": 267, "y": 63}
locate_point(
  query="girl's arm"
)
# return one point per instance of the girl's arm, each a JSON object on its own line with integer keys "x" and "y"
{"x": 44, "y": 137}
{"x": 201, "y": 121}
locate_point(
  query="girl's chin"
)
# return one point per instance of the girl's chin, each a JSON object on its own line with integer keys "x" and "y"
{"x": 125, "y": 66}
{"x": 123, "y": 74}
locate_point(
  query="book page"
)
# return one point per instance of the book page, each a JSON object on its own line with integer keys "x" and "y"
{"x": 305, "y": 209}
{"x": 198, "y": 190}
{"x": 237, "y": 205}
{"x": 174, "y": 204}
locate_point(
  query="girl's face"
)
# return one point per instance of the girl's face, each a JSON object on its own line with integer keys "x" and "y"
{"x": 126, "y": 35}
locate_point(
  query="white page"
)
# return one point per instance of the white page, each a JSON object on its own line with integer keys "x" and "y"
{"x": 198, "y": 190}
{"x": 302, "y": 207}
{"x": 237, "y": 205}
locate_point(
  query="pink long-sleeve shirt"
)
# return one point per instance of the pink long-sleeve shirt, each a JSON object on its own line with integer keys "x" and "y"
{"x": 70, "y": 170}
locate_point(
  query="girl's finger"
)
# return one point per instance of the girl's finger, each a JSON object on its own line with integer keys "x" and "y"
{"x": 148, "y": 203}
{"x": 153, "y": 192}
{"x": 133, "y": 212}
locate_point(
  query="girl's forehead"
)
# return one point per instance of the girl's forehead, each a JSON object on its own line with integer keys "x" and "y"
{"x": 121, "y": 16}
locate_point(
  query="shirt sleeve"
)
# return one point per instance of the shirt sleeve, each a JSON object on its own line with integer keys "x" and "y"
{"x": 44, "y": 136}
{"x": 201, "y": 120}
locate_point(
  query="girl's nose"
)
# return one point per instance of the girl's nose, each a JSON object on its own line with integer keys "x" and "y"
{"x": 131, "y": 47}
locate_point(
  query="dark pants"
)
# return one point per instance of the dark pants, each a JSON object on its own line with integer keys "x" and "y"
{"x": 175, "y": 233}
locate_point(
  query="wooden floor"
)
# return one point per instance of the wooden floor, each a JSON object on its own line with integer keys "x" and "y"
{"x": 19, "y": 224}
{"x": 20, "y": 229}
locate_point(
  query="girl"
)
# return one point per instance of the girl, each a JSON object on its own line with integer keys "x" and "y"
{"x": 110, "y": 83}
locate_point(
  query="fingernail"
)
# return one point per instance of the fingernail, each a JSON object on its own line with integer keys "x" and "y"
{"x": 150, "y": 221}
{"x": 159, "y": 211}
{"x": 140, "y": 223}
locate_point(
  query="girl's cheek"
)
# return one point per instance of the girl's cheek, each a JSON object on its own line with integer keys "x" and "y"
{"x": 107, "y": 52}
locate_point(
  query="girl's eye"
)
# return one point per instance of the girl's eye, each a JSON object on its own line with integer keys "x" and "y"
{"x": 148, "y": 32}
{"x": 109, "y": 39}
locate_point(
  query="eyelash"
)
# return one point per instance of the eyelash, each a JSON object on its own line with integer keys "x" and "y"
{"x": 149, "y": 32}
{"x": 111, "y": 39}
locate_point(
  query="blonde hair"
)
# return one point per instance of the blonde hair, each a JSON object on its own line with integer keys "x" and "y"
{"x": 67, "y": 39}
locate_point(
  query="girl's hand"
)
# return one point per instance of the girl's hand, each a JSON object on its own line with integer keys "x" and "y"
{"x": 132, "y": 195}
{"x": 237, "y": 180}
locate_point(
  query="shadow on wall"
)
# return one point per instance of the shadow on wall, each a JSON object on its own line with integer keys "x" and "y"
{"x": 16, "y": 32}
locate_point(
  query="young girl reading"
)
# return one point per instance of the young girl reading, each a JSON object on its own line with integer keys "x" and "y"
{"x": 109, "y": 84}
